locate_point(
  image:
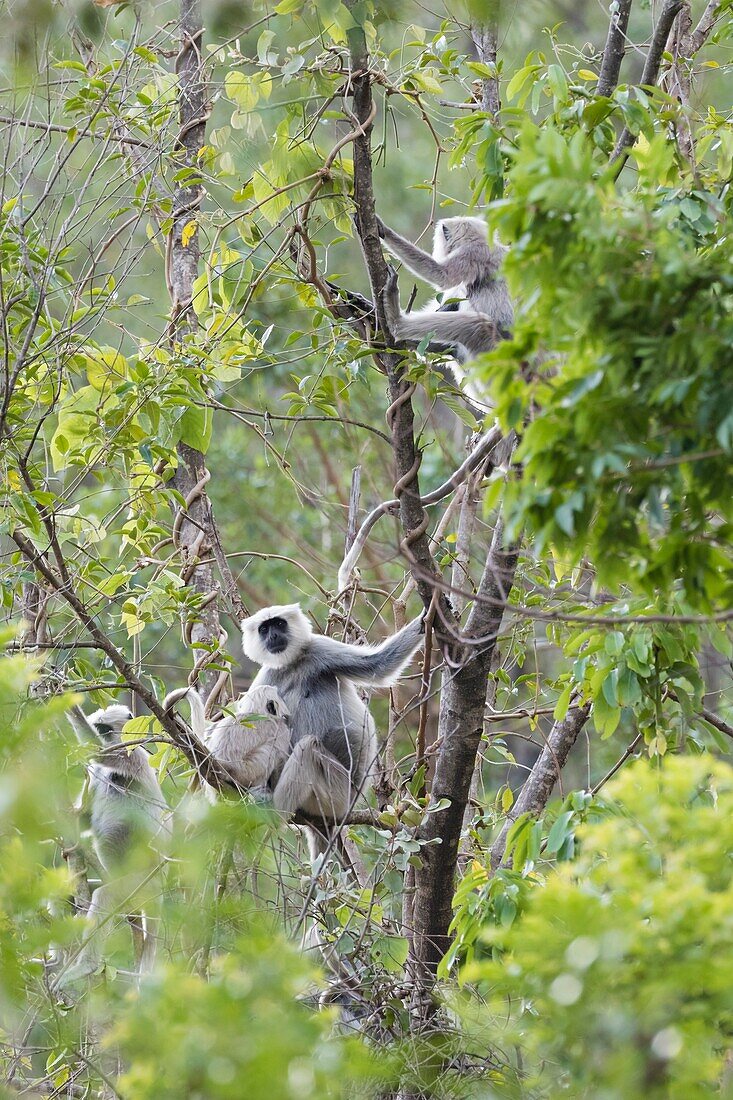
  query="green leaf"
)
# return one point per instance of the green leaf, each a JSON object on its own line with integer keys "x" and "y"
{"x": 614, "y": 643}
{"x": 559, "y": 832}
{"x": 563, "y": 703}
{"x": 390, "y": 952}
{"x": 195, "y": 428}
{"x": 519, "y": 79}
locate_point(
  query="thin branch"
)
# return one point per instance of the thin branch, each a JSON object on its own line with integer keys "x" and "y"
{"x": 487, "y": 444}
{"x": 537, "y": 787}
{"x": 54, "y": 128}
{"x": 630, "y": 750}
{"x": 197, "y": 754}
{"x": 649, "y": 75}
{"x": 714, "y": 720}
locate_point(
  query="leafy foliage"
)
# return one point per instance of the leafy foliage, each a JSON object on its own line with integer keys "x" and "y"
{"x": 627, "y": 455}
{"x": 622, "y": 952}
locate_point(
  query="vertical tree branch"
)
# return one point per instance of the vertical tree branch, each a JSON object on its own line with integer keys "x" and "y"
{"x": 460, "y": 727}
{"x": 34, "y": 613}
{"x": 460, "y": 723}
{"x": 485, "y": 39}
{"x": 615, "y": 48}
{"x": 677, "y": 79}
{"x": 193, "y": 527}
{"x": 400, "y": 415}
{"x": 649, "y": 75}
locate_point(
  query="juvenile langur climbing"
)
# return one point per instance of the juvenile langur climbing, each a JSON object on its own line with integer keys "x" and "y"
{"x": 477, "y": 312}
{"x": 334, "y": 744}
{"x": 253, "y": 742}
{"x": 130, "y": 825}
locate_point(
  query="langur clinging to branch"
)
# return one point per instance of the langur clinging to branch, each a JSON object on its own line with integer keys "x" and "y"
{"x": 252, "y": 742}
{"x": 332, "y": 732}
{"x": 477, "y": 312}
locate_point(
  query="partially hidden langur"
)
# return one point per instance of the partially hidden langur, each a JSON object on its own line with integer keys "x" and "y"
{"x": 334, "y": 743}
{"x": 477, "y": 311}
{"x": 252, "y": 742}
{"x": 131, "y": 828}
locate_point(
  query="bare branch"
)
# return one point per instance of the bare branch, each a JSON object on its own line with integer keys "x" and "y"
{"x": 486, "y": 445}
{"x": 628, "y": 752}
{"x": 649, "y": 75}
{"x": 714, "y": 720}
{"x": 537, "y": 788}
{"x": 615, "y": 48}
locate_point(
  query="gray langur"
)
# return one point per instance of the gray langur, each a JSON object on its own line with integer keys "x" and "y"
{"x": 252, "y": 742}
{"x": 130, "y": 825}
{"x": 334, "y": 743}
{"x": 478, "y": 310}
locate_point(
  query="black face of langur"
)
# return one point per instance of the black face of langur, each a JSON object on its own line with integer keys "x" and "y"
{"x": 274, "y": 635}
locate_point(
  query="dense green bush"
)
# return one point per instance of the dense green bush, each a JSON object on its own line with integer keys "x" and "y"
{"x": 617, "y": 979}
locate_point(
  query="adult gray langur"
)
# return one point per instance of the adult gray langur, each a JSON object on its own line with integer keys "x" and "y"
{"x": 130, "y": 825}
{"x": 477, "y": 312}
{"x": 334, "y": 743}
{"x": 253, "y": 742}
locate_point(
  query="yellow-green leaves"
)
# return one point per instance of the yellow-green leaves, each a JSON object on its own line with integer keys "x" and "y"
{"x": 105, "y": 367}
{"x": 625, "y": 951}
{"x": 246, "y": 90}
{"x": 195, "y": 427}
{"x": 73, "y": 441}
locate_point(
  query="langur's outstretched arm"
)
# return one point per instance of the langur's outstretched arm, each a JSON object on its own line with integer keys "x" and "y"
{"x": 378, "y": 665}
{"x": 419, "y": 263}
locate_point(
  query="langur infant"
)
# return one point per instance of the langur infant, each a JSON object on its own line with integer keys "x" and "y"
{"x": 130, "y": 824}
{"x": 253, "y": 742}
{"x": 334, "y": 743}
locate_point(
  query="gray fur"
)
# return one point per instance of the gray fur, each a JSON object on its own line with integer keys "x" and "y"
{"x": 253, "y": 742}
{"x": 129, "y": 815}
{"x": 127, "y": 804}
{"x": 332, "y": 732}
{"x": 311, "y": 775}
{"x": 467, "y": 267}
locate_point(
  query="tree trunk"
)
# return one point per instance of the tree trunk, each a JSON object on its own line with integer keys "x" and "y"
{"x": 193, "y": 527}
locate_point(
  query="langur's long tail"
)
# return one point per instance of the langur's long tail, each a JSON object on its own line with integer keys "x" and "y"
{"x": 198, "y": 714}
